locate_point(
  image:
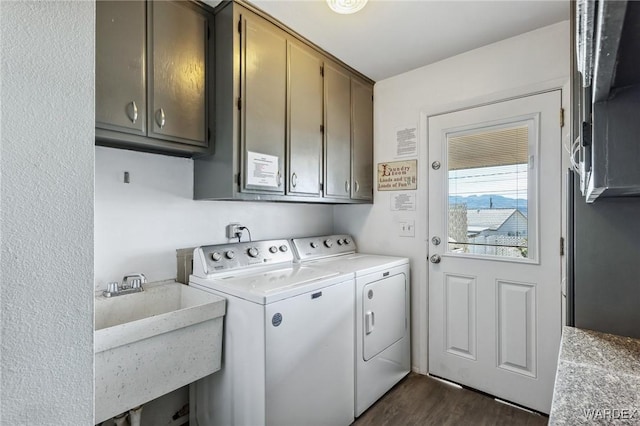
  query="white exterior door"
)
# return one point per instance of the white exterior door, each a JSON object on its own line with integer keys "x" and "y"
{"x": 495, "y": 263}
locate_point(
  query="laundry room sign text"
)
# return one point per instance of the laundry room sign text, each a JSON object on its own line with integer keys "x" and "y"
{"x": 398, "y": 175}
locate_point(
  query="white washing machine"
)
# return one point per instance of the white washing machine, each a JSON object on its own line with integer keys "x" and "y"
{"x": 288, "y": 341}
{"x": 382, "y": 323}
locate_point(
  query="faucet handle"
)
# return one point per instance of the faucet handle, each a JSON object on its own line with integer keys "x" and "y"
{"x": 113, "y": 287}
{"x": 136, "y": 280}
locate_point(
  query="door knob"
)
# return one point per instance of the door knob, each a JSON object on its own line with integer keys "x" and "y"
{"x": 435, "y": 259}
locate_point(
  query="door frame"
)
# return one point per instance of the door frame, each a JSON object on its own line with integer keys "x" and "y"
{"x": 562, "y": 84}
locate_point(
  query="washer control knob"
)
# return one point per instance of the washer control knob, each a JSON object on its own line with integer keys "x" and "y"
{"x": 284, "y": 248}
{"x": 314, "y": 244}
{"x": 230, "y": 254}
{"x": 273, "y": 249}
{"x": 215, "y": 256}
{"x": 328, "y": 243}
{"x": 340, "y": 242}
{"x": 253, "y": 252}
{"x": 347, "y": 241}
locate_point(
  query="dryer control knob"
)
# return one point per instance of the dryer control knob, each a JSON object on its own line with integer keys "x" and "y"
{"x": 230, "y": 254}
{"x": 328, "y": 243}
{"x": 340, "y": 242}
{"x": 215, "y": 256}
{"x": 273, "y": 249}
{"x": 313, "y": 244}
{"x": 347, "y": 241}
{"x": 253, "y": 252}
{"x": 284, "y": 248}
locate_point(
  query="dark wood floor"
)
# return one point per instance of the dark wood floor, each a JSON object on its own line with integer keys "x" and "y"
{"x": 422, "y": 400}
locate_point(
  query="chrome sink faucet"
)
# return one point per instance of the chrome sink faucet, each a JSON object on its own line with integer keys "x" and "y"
{"x": 131, "y": 283}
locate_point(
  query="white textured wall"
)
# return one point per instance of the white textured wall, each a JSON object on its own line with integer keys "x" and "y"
{"x": 139, "y": 225}
{"x": 47, "y": 121}
{"x": 513, "y": 67}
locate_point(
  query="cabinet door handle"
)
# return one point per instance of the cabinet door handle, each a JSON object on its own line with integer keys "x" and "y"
{"x": 279, "y": 179}
{"x": 357, "y": 186}
{"x": 132, "y": 111}
{"x": 160, "y": 118}
{"x": 346, "y": 186}
{"x": 294, "y": 180}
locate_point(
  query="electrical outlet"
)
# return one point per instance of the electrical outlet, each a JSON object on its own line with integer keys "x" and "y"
{"x": 233, "y": 230}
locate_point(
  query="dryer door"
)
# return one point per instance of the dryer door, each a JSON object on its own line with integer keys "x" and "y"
{"x": 384, "y": 315}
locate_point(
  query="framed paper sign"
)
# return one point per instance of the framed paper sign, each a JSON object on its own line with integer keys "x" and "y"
{"x": 397, "y": 175}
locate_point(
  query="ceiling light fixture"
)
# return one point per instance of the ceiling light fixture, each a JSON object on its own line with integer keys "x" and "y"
{"x": 346, "y": 7}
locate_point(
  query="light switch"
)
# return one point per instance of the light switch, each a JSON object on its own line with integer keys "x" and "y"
{"x": 407, "y": 228}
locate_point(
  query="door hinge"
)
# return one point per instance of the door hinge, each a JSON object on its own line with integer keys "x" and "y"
{"x": 239, "y": 103}
{"x": 238, "y": 179}
{"x": 240, "y": 25}
{"x": 322, "y": 128}
{"x": 561, "y": 117}
{"x": 561, "y": 246}
{"x": 321, "y": 70}
{"x": 321, "y": 187}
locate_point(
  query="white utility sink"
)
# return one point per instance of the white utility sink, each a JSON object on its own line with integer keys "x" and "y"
{"x": 150, "y": 343}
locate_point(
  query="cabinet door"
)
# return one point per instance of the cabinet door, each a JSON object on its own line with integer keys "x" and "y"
{"x": 337, "y": 153}
{"x": 305, "y": 121}
{"x": 362, "y": 152}
{"x": 263, "y": 64}
{"x": 120, "y": 66}
{"x": 177, "y": 89}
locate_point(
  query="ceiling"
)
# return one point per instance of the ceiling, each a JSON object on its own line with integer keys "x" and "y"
{"x": 390, "y": 37}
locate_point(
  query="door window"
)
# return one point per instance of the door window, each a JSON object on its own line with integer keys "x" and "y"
{"x": 491, "y": 198}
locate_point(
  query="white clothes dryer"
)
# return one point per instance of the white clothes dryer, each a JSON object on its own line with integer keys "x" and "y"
{"x": 288, "y": 341}
{"x": 382, "y": 323}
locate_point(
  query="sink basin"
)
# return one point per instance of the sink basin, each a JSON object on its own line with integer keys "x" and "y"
{"x": 150, "y": 343}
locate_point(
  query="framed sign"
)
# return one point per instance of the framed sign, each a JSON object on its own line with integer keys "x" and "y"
{"x": 398, "y": 175}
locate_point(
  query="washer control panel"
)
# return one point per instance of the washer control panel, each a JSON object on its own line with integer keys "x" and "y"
{"x": 324, "y": 246}
{"x": 227, "y": 257}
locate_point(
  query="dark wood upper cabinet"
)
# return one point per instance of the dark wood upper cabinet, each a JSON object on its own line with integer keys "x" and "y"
{"x": 121, "y": 101}
{"x": 304, "y": 120}
{"x": 337, "y": 86}
{"x": 362, "y": 140}
{"x": 152, "y": 83}
{"x": 292, "y": 122}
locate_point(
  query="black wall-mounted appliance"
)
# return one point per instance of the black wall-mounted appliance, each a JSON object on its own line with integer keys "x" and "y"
{"x": 607, "y": 42}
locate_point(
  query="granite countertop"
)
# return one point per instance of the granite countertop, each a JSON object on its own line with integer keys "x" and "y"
{"x": 598, "y": 379}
